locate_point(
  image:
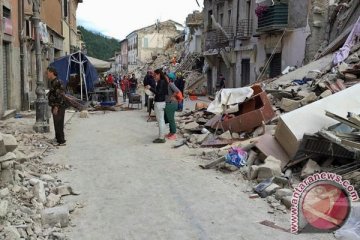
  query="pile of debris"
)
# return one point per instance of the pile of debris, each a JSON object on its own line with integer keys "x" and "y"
{"x": 278, "y": 136}
{"x": 30, "y": 198}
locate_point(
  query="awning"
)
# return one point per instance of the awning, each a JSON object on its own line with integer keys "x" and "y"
{"x": 99, "y": 65}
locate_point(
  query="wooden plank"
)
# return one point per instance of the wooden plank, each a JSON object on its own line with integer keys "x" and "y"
{"x": 350, "y": 143}
{"x": 342, "y": 120}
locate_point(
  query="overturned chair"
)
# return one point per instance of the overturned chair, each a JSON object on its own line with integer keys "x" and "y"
{"x": 135, "y": 99}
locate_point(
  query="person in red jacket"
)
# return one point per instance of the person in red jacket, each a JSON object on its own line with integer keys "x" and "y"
{"x": 110, "y": 79}
{"x": 125, "y": 86}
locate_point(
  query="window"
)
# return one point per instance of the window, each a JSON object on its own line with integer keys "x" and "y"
{"x": 221, "y": 18}
{"x": 210, "y": 19}
{"x": 65, "y": 8}
{"x": 6, "y": 12}
{"x": 28, "y": 29}
{"x": 146, "y": 43}
{"x": 229, "y": 17}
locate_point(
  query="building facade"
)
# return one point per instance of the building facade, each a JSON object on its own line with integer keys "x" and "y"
{"x": 124, "y": 56}
{"x": 246, "y": 40}
{"x": 148, "y": 42}
{"x": 17, "y": 51}
{"x": 194, "y": 32}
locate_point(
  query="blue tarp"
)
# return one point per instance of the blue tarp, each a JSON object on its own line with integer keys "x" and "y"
{"x": 71, "y": 64}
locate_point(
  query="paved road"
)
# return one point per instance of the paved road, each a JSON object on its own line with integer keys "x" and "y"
{"x": 133, "y": 189}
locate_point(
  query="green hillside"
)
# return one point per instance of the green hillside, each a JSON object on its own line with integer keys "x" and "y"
{"x": 98, "y": 45}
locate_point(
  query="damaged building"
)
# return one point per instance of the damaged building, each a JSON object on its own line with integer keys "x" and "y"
{"x": 146, "y": 43}
{"x": 250, "y": 40}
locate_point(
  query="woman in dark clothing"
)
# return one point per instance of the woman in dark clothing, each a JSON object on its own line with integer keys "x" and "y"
{"x": 160, "y": 91}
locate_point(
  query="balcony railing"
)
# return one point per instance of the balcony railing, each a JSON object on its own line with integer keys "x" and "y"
{"x": 215, "y": 39}
{"x": 274, "y": 18}
{"x": 244, "y": 29}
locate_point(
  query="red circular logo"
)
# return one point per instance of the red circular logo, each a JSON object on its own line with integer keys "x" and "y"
{"x": 326, "y": 206}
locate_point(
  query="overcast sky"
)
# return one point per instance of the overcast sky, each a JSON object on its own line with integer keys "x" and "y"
{"x": 118, "y": 18}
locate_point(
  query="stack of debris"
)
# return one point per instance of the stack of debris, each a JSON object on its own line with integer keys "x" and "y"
{"x": 29, "y": 195}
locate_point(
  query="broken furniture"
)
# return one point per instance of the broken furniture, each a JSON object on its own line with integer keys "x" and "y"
{"x": 251, "y": 114}
{"x": 103, "y": 94}
{"x": 135, "y": 99}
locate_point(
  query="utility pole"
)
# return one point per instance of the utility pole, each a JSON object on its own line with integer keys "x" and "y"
{"x": 41, "y": 103}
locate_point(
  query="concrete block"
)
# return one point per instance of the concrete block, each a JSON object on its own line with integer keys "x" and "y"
{"x": 283, "y": 192}
{"x": 325, "y": 94}
{"x": 4, "y": 192}
{"x": 289, "y": 105}
{"x": 271, "y": 189}
{"x": 226, "y": 135}
{"x": 20, "y": 156}
{"x": 286, "y": 201}
{"x": 11, "y": 233}
{"x": 4, "y": 207}
{"x": 271, "y": 168}
{"x": 56, "y": 215}
{"x": 39, "y": 192}
{"x": 310, "y": 168}
{"x": 53, "y": 200}
{"x": 7, "y": 165}
{"x": 2, "y": 146}
{"x": 201, "y": 138}
{"x": 10, "y": 142}
{"x": 7, "y": 157}
{"x": 191, "y": 126}
{"x": 7, "y": 176}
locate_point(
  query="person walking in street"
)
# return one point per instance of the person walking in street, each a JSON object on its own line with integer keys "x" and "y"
{"x": 57, "y": 104}
{"x": 149, "y": 80}
{"x": 133, "y": 83}
{"x": 180, "y": 84}
{"x": 125, "y": 87}
{"x": 171, "y": 106}
{"x": 160, "y": 91}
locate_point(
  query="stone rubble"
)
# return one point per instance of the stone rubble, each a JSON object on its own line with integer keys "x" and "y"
{"x": 31, "y": 204}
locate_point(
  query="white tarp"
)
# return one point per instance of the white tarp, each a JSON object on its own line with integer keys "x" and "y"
{"x": 228, "y": 98}
{"x": 99, "y": 64}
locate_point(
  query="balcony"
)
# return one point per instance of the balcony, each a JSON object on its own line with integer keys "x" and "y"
{"x": 273, "y": 18}
{"x": 215, "y": 39}
{"x": 244, "y": 29}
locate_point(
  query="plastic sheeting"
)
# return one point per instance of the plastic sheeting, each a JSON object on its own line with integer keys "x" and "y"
{"x": 344, "y": 52}
{"x": 71, "y": 64}
{"x": 229, "y": 97}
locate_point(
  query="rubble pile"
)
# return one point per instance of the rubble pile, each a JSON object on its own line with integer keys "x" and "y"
{"x": 289, "y": 129}
{"x": 317, "y": 84}
{"x": 30, "y": 197}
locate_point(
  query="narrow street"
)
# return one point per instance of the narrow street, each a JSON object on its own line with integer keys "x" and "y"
{"x": 133, "y": 189}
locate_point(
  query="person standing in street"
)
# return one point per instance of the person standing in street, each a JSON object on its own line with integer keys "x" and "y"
{"x": 180, "y": 84}
{"x": 133, "y": 83}
{"x": 125, "y": 87}
{"x": 171, "y": 106}
{"x": 160, "y": 91}
{"x": 149, "y": 80}
{"x": 57, "y": 104}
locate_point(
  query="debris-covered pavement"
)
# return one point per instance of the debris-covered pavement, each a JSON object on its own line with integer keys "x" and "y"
{"x": 31, "y": 196}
